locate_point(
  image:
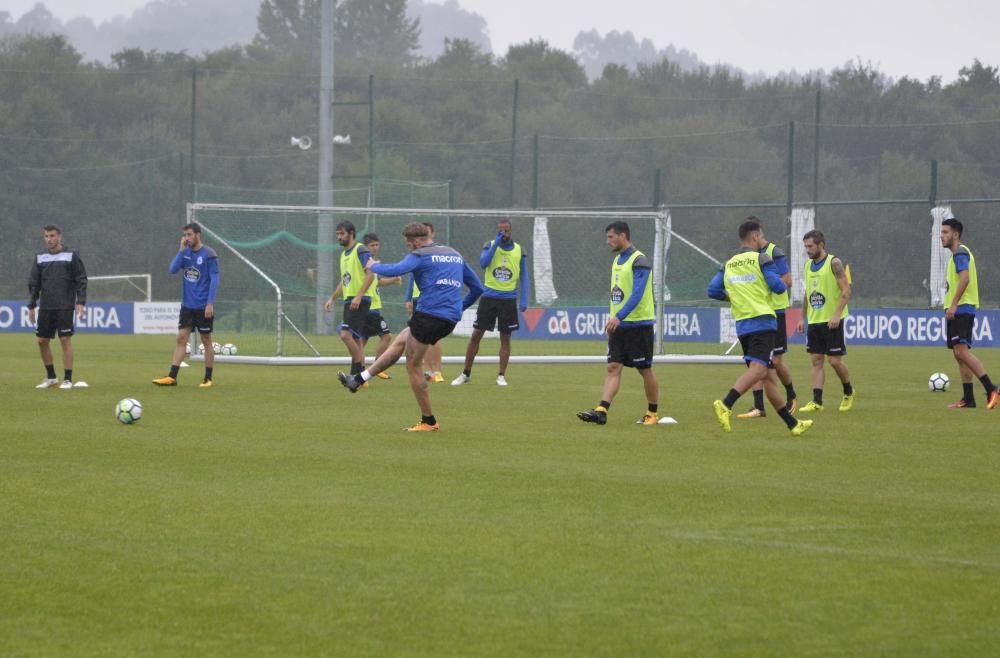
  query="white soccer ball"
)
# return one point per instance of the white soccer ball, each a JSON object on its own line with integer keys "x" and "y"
{"x": 938, "y": 382}
{"x": 201, "y": 349}
{"x": 216, "y": 348}
{"x": 187, "y": 349}
{"x": 128, "y": 411}
{"x": 229, "y": 349}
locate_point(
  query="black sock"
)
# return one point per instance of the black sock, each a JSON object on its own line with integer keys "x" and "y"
{"x": 50, "y": 371}
{"x": 467, "y": 372}
{"x": 968, "y": 394}
{"x": 69, "y": 375}
{"x": 758, "y": 400}
{"x": 987, "y": 384}
{"x": 652, "y": 406}
{"x": 430, "y": 420}
{"x": 356, "y": 367}
{"x": 731, "y": 397}
{"x": 787, "y": 417}
{"x": 790, "y": 392}
{"x": 818, "y": 395}
{"x": 174, "y": 370}
{"x": 358, "y": 378}
{"x": 848, "y": 389}
{"x": 604, "y": 404}
{"x": 208, "y": 373}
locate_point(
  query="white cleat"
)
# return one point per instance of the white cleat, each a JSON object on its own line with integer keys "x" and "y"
{"x": 48, "y": 383}
{"x": 81, "y": 385}
{"x": 501, "y": 380}
{"x": 66, "y": 384}
{"x": 461, "y": 379}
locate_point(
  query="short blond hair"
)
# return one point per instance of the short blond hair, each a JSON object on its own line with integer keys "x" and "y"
{"x": 415, "y": 230}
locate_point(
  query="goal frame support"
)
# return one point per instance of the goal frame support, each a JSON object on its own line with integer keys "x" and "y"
{"x": 659, "y": 218}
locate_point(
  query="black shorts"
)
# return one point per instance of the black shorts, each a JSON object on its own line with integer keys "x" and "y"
{"x": 55, "y": 320}
{"x": 821, "y": 339}
{"x": 781, "y": 337}
{"x": 959, "y": 330}
{"x": 429, "y": 329}
{"x": 375, "y": 325}
{"x": 354, "y": 320}
{"x": 194, "y": 318}
{"x": 497, "y": 313}
{"x": 632, "y": 346}
{"x": 759, "y": 346}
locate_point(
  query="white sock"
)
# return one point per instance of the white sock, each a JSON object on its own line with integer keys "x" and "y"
{"x": 365, "y": 375}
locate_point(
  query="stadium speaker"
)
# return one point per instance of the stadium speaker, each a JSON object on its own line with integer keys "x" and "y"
{"x": 302, "y": 142}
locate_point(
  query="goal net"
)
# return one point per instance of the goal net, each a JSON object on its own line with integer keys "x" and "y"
{"x": 279, "y": 264}
{"x": 120, "y": 288}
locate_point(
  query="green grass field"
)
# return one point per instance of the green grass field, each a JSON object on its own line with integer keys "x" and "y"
{"x": 277, "y": 515}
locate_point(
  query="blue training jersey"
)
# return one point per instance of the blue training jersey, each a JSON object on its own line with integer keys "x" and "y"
{"x": 440, "y": 272}
{"x": 200, "y": 276}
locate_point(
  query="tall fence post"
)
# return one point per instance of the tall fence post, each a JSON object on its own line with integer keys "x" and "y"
{"x": 657, "y": 177}
{"x": 451, "y": 206}
{"x": 181, "y": 210}
{"x": 934, "y": 183}
{"x": 194, "y": 124}
{"x": 791, "y": 169}
{"x": 534, "y": 172}
{"x": 815, "y": 196}
{"x": 513, "y": 144}
{"x": 371, "y": 141}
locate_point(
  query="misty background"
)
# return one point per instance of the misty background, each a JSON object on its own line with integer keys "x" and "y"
{"x": 199, "y": 26}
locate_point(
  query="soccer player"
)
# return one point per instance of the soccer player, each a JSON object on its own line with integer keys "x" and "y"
{"x": 199, "y": 265}
{"x": 354, "y": 284}
{"x": 440, "y": 272}
{"x": 747, "y": 281}
{"x": 629, "y": 327}
{"x": 433, "y": 356}
{"x": 57, "y": 286}
{"x": 960, "y": 302}
{"x": 375, "y": 324}
{"x": 824, "y": 306}
{"x": 779, "y": 302}
{"x": 504, "y": 262}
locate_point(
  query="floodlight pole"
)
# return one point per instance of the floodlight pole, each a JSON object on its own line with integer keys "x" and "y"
{"x": 325, "y": 232}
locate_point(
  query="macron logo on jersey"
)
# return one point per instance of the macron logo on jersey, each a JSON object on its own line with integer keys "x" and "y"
{"x": 446, "y": 259}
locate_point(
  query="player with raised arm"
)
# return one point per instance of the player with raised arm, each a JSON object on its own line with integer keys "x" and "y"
{"x": 433, "y": 358}
{"x": 747, "y": 281}
{"x": 199, "y": 267}
{"x": 440, "y": 272}
{"x": 824, "y": 307}
{"x": 629, "y": 327}
{"x": 779, "y": 301}
{"x": 57, "y": 287}
{"x": 960, "y": 302}
{"x": 505, "y": 262}
{"x": 354, "y": 285}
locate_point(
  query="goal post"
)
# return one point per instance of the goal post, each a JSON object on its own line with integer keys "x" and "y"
{"x": 270, "y": 255}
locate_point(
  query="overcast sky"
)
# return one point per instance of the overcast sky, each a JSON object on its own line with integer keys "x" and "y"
{"x": 918, "y": 38}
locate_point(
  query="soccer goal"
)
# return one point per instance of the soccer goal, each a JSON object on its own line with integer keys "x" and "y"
{"x": 279, "y": 264}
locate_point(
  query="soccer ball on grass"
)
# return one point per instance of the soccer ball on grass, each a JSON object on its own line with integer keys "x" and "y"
{"x": 229, "y": 349}
{"x": 128, "y": 411}
{"x": 938, "y": 382}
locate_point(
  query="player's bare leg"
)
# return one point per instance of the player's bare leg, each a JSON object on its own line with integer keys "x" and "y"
{"x": 504, "y": 352}
{"x": 612, "y": 382}
{"x": 180, "y": 346}
{"x": 473, "y": 349}
{"x": 66, "y": 343}
{"x": 415, "y": 352}
{"x": 45, "y": 349}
